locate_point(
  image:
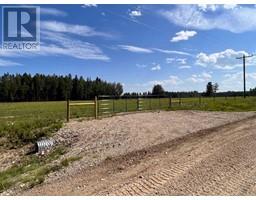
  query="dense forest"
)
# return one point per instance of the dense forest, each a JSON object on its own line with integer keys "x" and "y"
{"x": 52, "y": 87}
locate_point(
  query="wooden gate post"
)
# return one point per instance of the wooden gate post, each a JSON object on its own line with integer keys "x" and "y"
{"x": 68, "y": 110}
{"x": 113, "y": 106}
{"x": 96, "y": 107}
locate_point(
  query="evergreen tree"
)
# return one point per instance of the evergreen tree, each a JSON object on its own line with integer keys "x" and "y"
{"x": 52, "y": 87}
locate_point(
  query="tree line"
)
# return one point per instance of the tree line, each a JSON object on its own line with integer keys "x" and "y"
{"x": 40, "y": 87}
{"x": 159, "y": 91}
{"x": 210, "y": 91}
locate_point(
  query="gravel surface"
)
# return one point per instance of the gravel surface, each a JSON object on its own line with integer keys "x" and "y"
{"x": 99, "y": 140}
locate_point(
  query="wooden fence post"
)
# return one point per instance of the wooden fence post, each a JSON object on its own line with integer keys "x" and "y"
{"x": 96, "y": 107}
{"x": 68, "y": 110}
{"x": 113, "y": 106}
{"x": 137, "y": 103}
{"x": 170, "y": 102}
{"x": 150, "y": 104}
{"x": 200, "y": 99}
{"x": 126, "y": 107}
{"x": 159, "y": 103}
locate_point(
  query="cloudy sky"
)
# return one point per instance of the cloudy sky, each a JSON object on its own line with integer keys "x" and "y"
{"x": 181, "y": 47}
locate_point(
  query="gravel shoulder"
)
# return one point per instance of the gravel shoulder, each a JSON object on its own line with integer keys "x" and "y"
{"x": 114, "y": 149}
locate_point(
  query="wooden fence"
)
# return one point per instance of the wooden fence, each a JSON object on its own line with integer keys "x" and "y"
{"x": 104, "y": 106}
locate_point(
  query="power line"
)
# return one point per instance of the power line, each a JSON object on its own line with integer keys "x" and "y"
{"x": 244, "y": 57}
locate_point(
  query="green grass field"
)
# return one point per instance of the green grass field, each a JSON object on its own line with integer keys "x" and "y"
{"x": 25, "y": 122}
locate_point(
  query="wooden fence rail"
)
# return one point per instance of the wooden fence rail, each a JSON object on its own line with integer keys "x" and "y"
{"x": 109, "y": 105}
{"x": 95, "y": 103}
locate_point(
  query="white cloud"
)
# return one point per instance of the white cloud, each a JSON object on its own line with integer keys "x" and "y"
{"x": 214, "y": 7}
{"x": 156, "y": 67}
{"x": 172, "y": 80}
{"x": 4, "y": 53}
{"x": 200, "y": 78}
{"x": 183, "y": 35}
{"x": 172, "y": 52}
{"x": 180, "y": 61}
{"x": 52, "y": 11}
{"x": 192, "y": 16}
{"x": 153, "y": 66}
{"x": 89, "y": 5}
{"x": 135, "y": 49}
{"x": 206, "y": 75}
{"x": 70, "y": 47}
{"x": 172, "y": 83}
{"x": 75, "y": 29}
{"x": 234, "y": 81}
{"x": 207, "y": 7}
{"x": 222, "y": 60}
{"x": 175, "y": 80}
{"x": 4, "y": 63}
{"x": 76, "y": 49}
{"x": 135, "y": 13}
{"x": 141, "y": 65}
{"x": 229, "y": 6}
{"x": 60, "y": 43}
{"x": 185, "y": 67}
{"x": 169, "y": 60}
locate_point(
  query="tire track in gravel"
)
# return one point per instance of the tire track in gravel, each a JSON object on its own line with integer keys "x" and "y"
{"x": 155, "y": 182}
{"x": 232, "y": 175}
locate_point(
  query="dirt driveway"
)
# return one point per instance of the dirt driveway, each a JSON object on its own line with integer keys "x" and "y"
{"x": 166, "y": 153}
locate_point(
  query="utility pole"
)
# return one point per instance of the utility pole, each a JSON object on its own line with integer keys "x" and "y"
{"x": 244, "y": 57}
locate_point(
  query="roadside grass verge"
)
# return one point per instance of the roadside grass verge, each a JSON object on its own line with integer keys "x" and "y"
{"x": 31, "y": 171}
{"x": 22, "y": 132}
{"x": 24, "y": 122}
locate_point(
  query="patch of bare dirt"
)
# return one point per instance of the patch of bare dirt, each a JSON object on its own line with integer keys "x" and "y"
{"x": 9, "y": 157}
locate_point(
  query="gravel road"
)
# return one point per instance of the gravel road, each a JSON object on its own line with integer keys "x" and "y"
{"x": 165, "y": 153}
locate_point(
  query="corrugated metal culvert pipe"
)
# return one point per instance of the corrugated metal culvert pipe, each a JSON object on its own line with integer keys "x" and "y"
{"x": 44, "y": 145}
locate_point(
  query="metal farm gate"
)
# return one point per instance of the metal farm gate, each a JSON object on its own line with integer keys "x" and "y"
{"x": 105, "y": 105}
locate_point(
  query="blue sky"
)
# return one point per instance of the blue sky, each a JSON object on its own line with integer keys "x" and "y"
{"x": 181, "y": 47}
